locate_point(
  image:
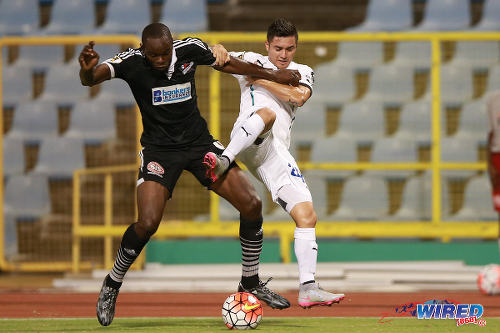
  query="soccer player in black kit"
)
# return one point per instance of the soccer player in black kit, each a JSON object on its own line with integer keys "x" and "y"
{"x": 175, "y": 138}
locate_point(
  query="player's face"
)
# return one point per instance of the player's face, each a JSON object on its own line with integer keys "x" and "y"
{"x": 281, "y": 51}
{"x": 158, "y": 52}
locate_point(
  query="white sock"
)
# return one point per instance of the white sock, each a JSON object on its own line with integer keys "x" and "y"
{"x": 244, "y": 136}
{"x": 306, "y": 251}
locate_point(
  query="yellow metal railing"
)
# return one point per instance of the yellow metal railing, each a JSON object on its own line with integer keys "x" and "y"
{"x": 284, "y": 229}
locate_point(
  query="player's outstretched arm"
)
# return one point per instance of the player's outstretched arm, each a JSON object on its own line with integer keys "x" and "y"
{"x": 90, "y": 73}
{"x": 295, "y": 95}
{"x": 238, "y": 66}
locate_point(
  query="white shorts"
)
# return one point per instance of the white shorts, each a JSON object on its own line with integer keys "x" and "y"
{"x": 273, "y": 164}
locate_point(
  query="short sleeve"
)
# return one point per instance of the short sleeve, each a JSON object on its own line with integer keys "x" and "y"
{"x": 197, "y": 50}
{"x": 306, "y": 76}
{"x": 251, "y": 57}
{"x": 119, "y": 63}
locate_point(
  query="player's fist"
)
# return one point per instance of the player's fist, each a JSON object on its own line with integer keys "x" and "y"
{"x": 288, "y": 76}
{"x": 221, "y": 55}
{"x": 88, "y": 57}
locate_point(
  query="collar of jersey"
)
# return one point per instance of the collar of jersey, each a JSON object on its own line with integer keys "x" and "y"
{"x": 172, "y": 64}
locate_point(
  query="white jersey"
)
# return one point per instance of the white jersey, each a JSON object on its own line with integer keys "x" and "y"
{"x": 255, "y": 97}
{"x": 493, "y": 109}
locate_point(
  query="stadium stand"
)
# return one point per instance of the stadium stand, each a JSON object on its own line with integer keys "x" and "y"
{"x": 35, "y": 121}
{"x": 416, "y": 55}
{"x": 333, "y": 84}
{"x": 456, "y": 84}
{"x": 59, "y": 157}
{"x": 17, "y": 85}
{"x": 473, "y": 122}
{"x": 40, "y": 57}
{"x": 390, "y": 84}
{"x": 493, "y": 79}
{"x": 27, "y": 196}
{"x": 442, "y": 15}
{"x": 362, "y": 122}
{"x": 70, "y": 18}
{"x": 18, "y": 17}
{"x": 126, "y": 17}
{"x": 63, "y": 86}
{"x": 490, "y": 14}
{"x": 185, "y": 15}
{"x": 334, "y": 149}
{"x": 416, "y": 200}
{"x": 476, "y": 54}
{"x": 386, "y": 15}
{"x": 13, "y": 156}
{"x": 361, "y": 55}
{"x": 116, "y": 91}
{"x": 477, "y": 201}
{"x": 415, "y": 122}
{"x": 389, "y": 149}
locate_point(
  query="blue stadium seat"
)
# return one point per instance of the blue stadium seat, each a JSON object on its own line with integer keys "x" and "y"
{"x": 412, "y": 54}
{"x": 70, "y": 17}
{"x": 386, "y": 15}
{"x": 62, "y": 85}
{"x": 441, "y": 15}
{"x": 34, "y": 121}
{"x": 363, "y": 198}
{"x": 18, "y": 17}
{"x": 13, "y": 156}
{"x": 362, "y": 55}
{"x": 27, "y": 196}
{"x": 456, "y": 84}
{"x": 185, "y": 15}
{"x": 40, "y": 57}
{"x": 362, "y": 122}
{"x": 59, "y": 157}
{"x": 476, "y": 54}
{"x": 415, "y": 122}
{"x": 390, "y": 84}
{"x": 93, "y": 121}
{"x": 416, "y": 200}
{"x": 489, "y": 19}
{"x": 17, "y": 85}
{"x": 333, "y": 84}
{"x": 126, "y": 17}
{"x": 477, "y": 201}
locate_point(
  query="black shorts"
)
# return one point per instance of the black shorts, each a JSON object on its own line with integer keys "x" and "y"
{"x": 166, "y": 166}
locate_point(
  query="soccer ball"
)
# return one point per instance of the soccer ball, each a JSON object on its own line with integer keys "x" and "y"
{"x": 488, "y": 280}
{"x": 241, "y": 311}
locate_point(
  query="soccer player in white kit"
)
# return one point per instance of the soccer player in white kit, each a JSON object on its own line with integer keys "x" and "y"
{"x": 261, "y": 139}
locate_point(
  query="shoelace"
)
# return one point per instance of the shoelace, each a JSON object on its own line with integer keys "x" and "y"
{"x": 265, "y": 289}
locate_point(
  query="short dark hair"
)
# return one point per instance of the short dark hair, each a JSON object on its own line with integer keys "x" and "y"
{"x": 281, "y": 27}
{"x": 156, "y": 30}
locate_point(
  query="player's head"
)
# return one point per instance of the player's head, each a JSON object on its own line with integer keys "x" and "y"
{"x": 281, "y": 42}
{"x": 157, "y": 44}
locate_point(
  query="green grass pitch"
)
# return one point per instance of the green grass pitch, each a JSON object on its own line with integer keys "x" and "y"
{"x": 315, "y": 325}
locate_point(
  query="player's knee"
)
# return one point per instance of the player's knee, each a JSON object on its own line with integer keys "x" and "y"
{"x": 147, "y": 226}
{"x": 253, "y": 208}
{"x": 308, "y": 220}
{"x": 269, "y": 116}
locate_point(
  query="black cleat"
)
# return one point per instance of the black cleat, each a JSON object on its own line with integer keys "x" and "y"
{"x": 106, "y": 304}
{"x": 263, "y": 293}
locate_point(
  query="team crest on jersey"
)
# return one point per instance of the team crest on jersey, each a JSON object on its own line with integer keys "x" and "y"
{"x": 115, "y": 60}
{"x": 155, "y": 168}
{"x": 186, "y": 67}
{"x": 172, "y": 94}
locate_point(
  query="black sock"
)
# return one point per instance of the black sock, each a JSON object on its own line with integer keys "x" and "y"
{"x": 251, "y": 236}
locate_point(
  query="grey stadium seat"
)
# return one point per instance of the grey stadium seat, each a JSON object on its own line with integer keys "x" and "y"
{"x": 185, "y": 15}
{"x": 117, "y": 91}
{"x": 478, "y": 203}
{"x": 476, "y": 54}
{"x": 19, "y": 17}
{"x": 40, "y": 57}
{"x": 442, "y": 15}
{"x": 13, "y": 156}
{"x": 412, "y": 54}
{"x": 34, "y": 121}
{"x": 336, "y": 150}
{"x": 70, "y": 18}
{"x": 416, "y": 202}
{"x": 387, "y": 150}
{"x": 59, "y": 157}
{"x": 493, "y": 79}
{"x": 489, "y": 19}
{"x": 390, "y": 84}
{"x": 386, "y": 15}
{"x": 362, "y": 55}
{"x": 309, "y": 123}
{"x": 473, "y": 122}
{"x": 126, "y": 17}
{"x": 361, "y": 121}
{"x": 415, "y": 122}
{"x": 456, "y": 84}
{"x": 17, "y": 84}
{"x": 62, "y": 85}
{"x": 333, "y": 84}
{"x": 27, "y": 196}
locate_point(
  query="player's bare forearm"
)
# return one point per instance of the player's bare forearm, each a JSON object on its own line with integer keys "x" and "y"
{"x": 91, "y": 77}
{"x": 284, "y": 76}
{"x": 295, "y": 95}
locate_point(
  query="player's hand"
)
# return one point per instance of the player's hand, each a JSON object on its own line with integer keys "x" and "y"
{"x": 88, "y": 58}
{"x": 287, "y": 76}
{"x": 221, "y": 55}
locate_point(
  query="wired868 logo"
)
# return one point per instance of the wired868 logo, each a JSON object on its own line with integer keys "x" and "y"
{"x": 463, "y": 313}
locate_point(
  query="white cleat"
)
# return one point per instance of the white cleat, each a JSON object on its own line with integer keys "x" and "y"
{"x": 312, "y": 294}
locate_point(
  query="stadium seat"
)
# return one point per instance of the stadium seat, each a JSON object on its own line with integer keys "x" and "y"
{"x": 70, "y": 18}
{"x": 361, "y": 122}
{"x": 185, "y": 15}
{"x": 390, "y": 84}
{"x": 363, "y": 198}
{"x": 116, "y": 91}
{"x": 62, "y": 85}
{"x": 19, "y": 17}
{"x": 333, "y": 84}
{"x": 476, "y": 54}
{"x": 59, "y": 157}
{"x": 17, "y": 85}
{"x": 317, "y": 184}
{"x": 13, "y": 156}
{"x": 415, "y": 122}
{"x": 456, "y": 149}
{"x": 456, "y": 84}
{"x": 34, "y": 121}
{"x": 107, "y": 51}
{"x": 309, "y": 123}
{"x": 93, "y": 121}
{"x": 412, "y": 54}
{"x": 9, "y": 235}
{"x": 126, "y": 17}
{"x": 493, "y": 79}
{"x": 386, "y": 15}
{"x": 387, "y": 150}
{"x": 442, "y": 15}
{"x": 334, "y": 149}
{"x": 473, "y": 122}
{"x": 489, "y": 19}
{"x": 27, "y": 196}
{"x": 478, "y": 203}
{"x": 416, "y": 200}
{"x": 363, "y": 55}
{"x": 40, "y": 57}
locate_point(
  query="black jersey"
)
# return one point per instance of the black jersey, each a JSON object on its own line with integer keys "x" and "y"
{"x": 167, "y": 100}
